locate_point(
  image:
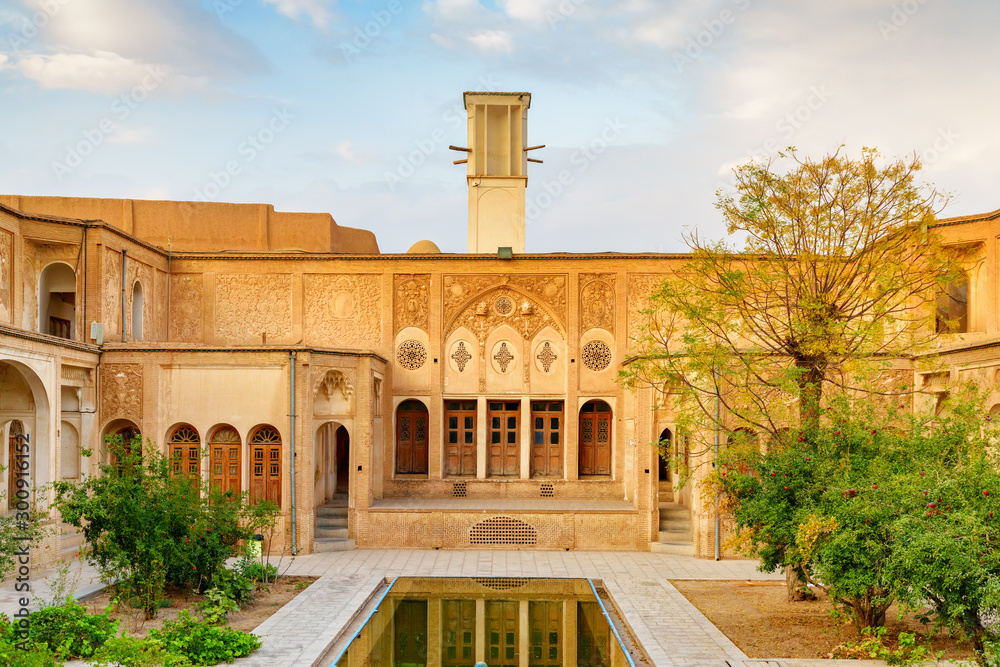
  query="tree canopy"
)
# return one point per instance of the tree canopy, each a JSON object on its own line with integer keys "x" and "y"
{"x": 835, "y": 282}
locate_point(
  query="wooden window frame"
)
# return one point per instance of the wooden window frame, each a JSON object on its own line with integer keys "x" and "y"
{"x": 541, "y": 452}
{"x": 184, "y": 449}
{"x": 408, "y": 422}
{"x": 460, "y": 425}
{"x": 267, "y": 441}
{"x": 500, "y": 450}
{"x": 222, "y": 443}
{"x": 592, "y": 412}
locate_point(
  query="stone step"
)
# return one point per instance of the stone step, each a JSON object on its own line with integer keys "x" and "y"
{"x": 339, "y": 500}
{"x": 324, "y": 533}
{"x": 677, "y": 536}
{"x": 675, "y": 524}
{"x": 682, "y": 549}
{"x": 666, "y": 496}
{"x": 70, "y": 543}
{"x": 331, "y": 512}
{"x": 331, "y": 521}
{"x": 323, "y": 545}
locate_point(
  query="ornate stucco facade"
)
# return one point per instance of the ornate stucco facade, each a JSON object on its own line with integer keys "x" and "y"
{"x": 431, "y": 400}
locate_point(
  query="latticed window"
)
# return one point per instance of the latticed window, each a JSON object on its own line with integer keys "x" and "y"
{"x": 265, "y": 465}
{"x": 411, "y": 438}
{"x": 224, "y": 459}
{"x": 595, "y": 438}
{"x": 185, "y": 452}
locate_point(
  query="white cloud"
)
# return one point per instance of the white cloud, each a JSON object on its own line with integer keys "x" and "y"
{"x": 124, "y": 135}
{"x": 103, "y": 72}
{"x": 317, "y": 11}
{"x": 533, "y": 11}
{"x": 493, "y": 40}
{"x": 453, "y": 10}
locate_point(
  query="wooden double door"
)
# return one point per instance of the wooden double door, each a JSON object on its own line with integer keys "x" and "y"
{"x": 504, "y": 438}
{"x": 595, "y": 438}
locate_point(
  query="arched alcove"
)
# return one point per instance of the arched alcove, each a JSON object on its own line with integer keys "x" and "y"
{"x": 137, "y": 299}
{"x": 57, "y": 300}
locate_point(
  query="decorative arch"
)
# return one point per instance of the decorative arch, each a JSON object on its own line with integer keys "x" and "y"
{"x": 664, "y": 449}
{"x": 505, "y": 304}
{"x": 265, "y": 464}
{"x": 334, "y": 394}
{"x": 128, "y": 437}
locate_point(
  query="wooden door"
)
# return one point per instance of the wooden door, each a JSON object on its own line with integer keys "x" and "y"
{"x": 460, "y": 437}
{"x": 458, "y": 633}
{"x": 545, "y": 625}
{"x": 16, "y": 429}
{"x": 501, "y": 633}
{"x": 224, "y": 460}
{"x": 593, "y": 636}
{"x": 595, "y": 438}
{"x": 546, "y": 438}
{"x": 505, "y": 455}
{"x": 410, "y": 631}
{"x": 265, "y": 465}
{"x": 411, "y": 438}
{"x": 185, "y": 452}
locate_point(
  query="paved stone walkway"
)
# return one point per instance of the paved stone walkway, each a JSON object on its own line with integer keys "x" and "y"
{"x": 670, "y": 629}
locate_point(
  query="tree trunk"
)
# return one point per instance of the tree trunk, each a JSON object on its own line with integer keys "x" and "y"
{"x": 868, "y": 613}
{"x": 798, "y": 589}
{"x": 810, "y": 392}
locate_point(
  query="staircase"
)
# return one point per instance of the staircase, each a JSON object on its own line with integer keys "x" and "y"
{"x": 330, "y": 533}
{"x": 70, "y": 539}
{"x": 676, "y": 534}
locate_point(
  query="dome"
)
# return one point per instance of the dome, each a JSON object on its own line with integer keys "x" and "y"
{"x": 424, "y": 246}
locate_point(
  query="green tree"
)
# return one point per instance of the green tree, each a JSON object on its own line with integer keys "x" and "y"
{"x": 836, "y": 279}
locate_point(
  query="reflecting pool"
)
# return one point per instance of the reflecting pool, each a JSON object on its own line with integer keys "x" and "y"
{"x": 498, "y": 621}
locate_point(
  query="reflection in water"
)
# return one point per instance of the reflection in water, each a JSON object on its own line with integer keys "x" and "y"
{"x": 502, "y": 622}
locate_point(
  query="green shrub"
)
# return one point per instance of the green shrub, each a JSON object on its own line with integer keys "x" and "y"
{"x": 147, "y": 527}
{"x": 69, "y": 631}
{"x": 135, "y": 652}
{"x": 256, "y": 571}
{"x": 235, "y": 584}
{"x": 204, "y": 644}
{"x": 216, "y": 606}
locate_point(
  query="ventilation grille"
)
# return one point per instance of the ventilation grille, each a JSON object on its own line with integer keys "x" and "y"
{"x": 501, "y": 583}
{"x": 458, "y": 490}
{"x": 503, "y": 530}
{"x": 548, "y": 491}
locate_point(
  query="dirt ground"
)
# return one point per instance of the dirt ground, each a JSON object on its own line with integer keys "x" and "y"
{"x": 266, "y": 603}
{"x": 758, "y": 618}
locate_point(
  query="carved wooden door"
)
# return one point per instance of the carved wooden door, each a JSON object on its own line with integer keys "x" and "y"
{"x": 411, "y": 633}
{"x": 224, "y": 459}
{"x": 185, "y": 453}
{"x": 505, "y": 455}
{"x": 595, "y": 438}
{"x": 458, "y": 633}
{"x": 411, "y": 438}
{"x": 16, "y": 429}
{"x": 501, "y": 633}
{"x": 545, "y": 625}
{"x": 460, "y": 437}
{"x": 546, "y": 438}
{"x": 265, "y": 465}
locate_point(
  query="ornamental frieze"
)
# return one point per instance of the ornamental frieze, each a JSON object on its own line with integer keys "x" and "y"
{"x": 6, "y": 276}
{"x": 597, "y": 302}
{"x": 343, "y": 310}
{"x": 253, "y": 307}
{"x": 121, "y": 392}
{"x": 185, "y": 307}
{"x": 640, "y": 288}
{"x": 504, "y": 306}
{"x": 411, "y": 294}
{"x": 112, "y": 262}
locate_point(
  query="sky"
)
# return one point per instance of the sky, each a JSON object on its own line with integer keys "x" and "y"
{"x": 348, "y": 107}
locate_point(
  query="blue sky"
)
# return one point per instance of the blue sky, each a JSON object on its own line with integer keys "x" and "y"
{"x": 339, "y": 105}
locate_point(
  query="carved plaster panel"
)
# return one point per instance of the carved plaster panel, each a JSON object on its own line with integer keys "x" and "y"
{"x": 160, "y": 296}
{"x": 334, "y": 380}
{"x": 6, "y": 276}
{"x": 75, "y": 376}
{"x": 411, "y": 296}
{"x": 112, "y": 291}
{"x": 185, "y": 307}
{"x": 500, "y": 306}
{"x": 640, "y": 288}
{"x": 121, "y": 392}
{"x": 344, "y": 310}
{"x": 252, "y": 307}
{"x": 459, "y": 290}
{"x": 597, "y": 302}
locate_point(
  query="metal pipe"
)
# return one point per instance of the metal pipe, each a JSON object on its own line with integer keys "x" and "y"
{"x": 718, "y": 543}
{"x": 291, "y": 361}
{"x": 124, "y": 321}
{"x": 374, "y": 610}
{"x": 611, "y": 625}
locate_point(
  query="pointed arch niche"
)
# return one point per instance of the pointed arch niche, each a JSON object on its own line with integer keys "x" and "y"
{"x": 334, "y": 394}
{"x": 462, "y": 362}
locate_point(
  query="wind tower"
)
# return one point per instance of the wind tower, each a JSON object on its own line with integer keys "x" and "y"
{"x": 497, "y": 169}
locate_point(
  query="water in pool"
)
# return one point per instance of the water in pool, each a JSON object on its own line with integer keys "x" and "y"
{"x": 500, "y": 622}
